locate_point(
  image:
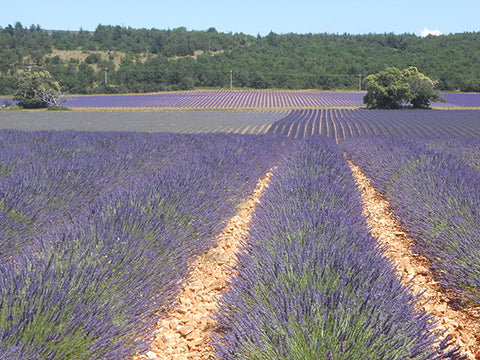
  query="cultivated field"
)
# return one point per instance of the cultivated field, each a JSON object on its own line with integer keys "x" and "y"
{"x": 341, "y": 124}
{"x": 338, "y": 124}
{"x": 103, "y": 213}
{"x": 221, "y": 99}
{"x": 292, "y": 113}
{"x": 178, "y": 121}
{"x": 245, "y": 99}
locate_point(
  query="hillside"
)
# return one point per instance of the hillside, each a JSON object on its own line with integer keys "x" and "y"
{"x": 115, "y": 59}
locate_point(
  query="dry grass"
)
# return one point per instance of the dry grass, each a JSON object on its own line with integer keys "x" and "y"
{"x": 115, "y": 56}
{"x": 81, "y": 55}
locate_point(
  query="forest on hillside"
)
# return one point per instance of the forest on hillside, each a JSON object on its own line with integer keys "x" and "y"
{"x": 115, "y": 59}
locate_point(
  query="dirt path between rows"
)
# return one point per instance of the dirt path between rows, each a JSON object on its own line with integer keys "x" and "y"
{"x": 185, "y": 331}
{"x": 463, "y": 326}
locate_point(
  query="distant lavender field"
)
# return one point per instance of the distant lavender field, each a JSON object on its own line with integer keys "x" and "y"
{"x": 246, "y": 99}
{"x": 338, "y": 124}
{"x": 222, "y": 99}
{"x": 470, "y": 100}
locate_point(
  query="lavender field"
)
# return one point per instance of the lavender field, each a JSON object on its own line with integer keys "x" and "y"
{"x": 433, "y": 184}
{"x": 102, "y": 212}
{"x": 221, "y": 99}
{"x": 176, "y": 121}
{"x": 312, "y": 282}
{"x": 339, "y": 124}
{"x": 246, "y": 99}
{"x": 98, "y": 230}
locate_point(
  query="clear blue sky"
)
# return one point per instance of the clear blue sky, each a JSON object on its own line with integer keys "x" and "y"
{"x": 251, "y": 16}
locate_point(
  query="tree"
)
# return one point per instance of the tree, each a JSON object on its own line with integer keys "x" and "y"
{"x": 386, "y": 89}
{"x": 8, "y": 60}
{"x": 472, "y": 85}
{"x": 422, "y": 88}
{"x": 391, "y": 88}
{"x": 38, "y": 90}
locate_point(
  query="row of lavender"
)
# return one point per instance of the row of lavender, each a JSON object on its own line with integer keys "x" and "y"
{"x": 312, "y": 283}
{"x": 341, "y": 124}
{"x": 434, "y": 187}
{"x": 111, "y": 221}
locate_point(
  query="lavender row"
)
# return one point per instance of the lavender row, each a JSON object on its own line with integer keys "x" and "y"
{"x": 94, "y": 287}
{"x": 341, "y": 124}
{"x": 465, "y": 148}
{"x": 47, "y": 178}
{"x": 312, "y": 283}
{"x": 433, "y": 185}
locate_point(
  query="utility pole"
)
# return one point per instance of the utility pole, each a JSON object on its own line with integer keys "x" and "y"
{"x": 106, "y": 69}
{"x": 231, "y": 79}
{"x": 360, "y": 82}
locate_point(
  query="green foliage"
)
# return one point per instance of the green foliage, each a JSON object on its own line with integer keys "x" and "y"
{"x": 391, "y": 88}
{"x": 6, "y": 104}
{"x": 422, "y": 88}
{"x": 386, "y": 90}
{"x": 37, "y": 90}
{"x": 473, "y": 85}
{"x": 7, "y": 85}
{"x": 93, "y": 58}
{"x": 154, "y": 60}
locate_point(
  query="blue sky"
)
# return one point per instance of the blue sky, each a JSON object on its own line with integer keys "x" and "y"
{"x": 251, "y": 16}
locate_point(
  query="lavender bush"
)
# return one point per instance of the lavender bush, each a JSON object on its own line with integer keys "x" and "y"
{"x": 464, "y": 148}
{"x": 433, "y": 184}
{"x": 122, "y": 217}
{"x": 312, "y": 283}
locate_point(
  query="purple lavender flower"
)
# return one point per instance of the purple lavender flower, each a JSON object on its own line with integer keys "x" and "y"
{"x": 312, "y": 283}
{"x": 433, "y": 184}
{"x": 98, "y": 230}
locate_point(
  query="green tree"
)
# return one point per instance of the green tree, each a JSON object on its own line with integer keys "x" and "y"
{"x": 422, "y": 88}
{"x": 386, "y": 89}
{"x": 472, "y": 85}
{"x": 7, "y": 85}
{"x": 392, "y": 88}
{"x": 93, "y": 58}
{"x": 38, "y": 89}
{"x": 8, "y": 60}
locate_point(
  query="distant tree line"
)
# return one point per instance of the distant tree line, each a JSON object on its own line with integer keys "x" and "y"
{"x": 119, "y": 59}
